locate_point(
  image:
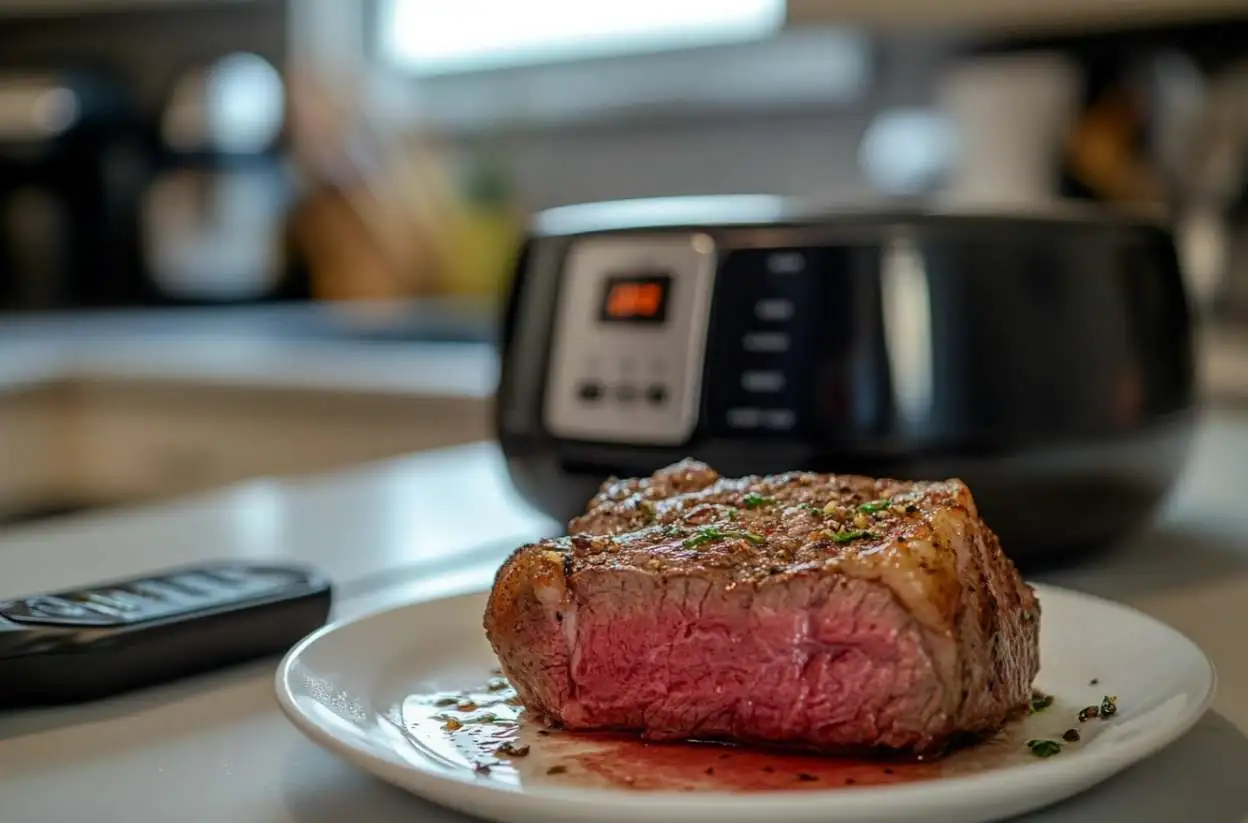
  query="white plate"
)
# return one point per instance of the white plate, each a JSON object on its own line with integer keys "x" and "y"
{"x": 349, "y": 687}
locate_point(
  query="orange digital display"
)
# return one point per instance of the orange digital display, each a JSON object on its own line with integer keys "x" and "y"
{"x": 636, "y": 299}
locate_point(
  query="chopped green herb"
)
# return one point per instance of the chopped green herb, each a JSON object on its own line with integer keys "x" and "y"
{"x": 709, "y": 534}
{"x": 446, "y": 701}
{"x": 671, "y": 531}
{"x": 754, "y": 501}
{"x": 1109, "y": 706}
{"x": 1044, "y": 748}
{"x": 810, "y": 507}
{"x": 849, "y": 537}
{"x": 1039, "y": 703}
{"x": 1071, "y": 736}
{"x": 874, "y": 506}
{"x": 1088, "y": 712}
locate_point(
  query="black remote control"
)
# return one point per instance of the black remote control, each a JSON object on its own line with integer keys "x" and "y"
{"x": 74, "y": 646}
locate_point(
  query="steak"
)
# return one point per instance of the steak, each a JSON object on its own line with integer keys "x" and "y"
{"x": 828, "y": 612}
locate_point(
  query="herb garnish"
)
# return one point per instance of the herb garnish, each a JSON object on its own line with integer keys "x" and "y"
{"x": 1071, "y": 736}
{"x": 754, "y": 501}
{"x": 671, "y": 531}
{"x": 709, "y": 534}
{"x": 810, "y": 507}
{"x": 1039, "y": 703}
{"x": 446, "y": 701}
{"x": 850, "y": 536}
{"x": 874, "y": 506}
{"x": 1109, "y": 706}
{"x": 1044, "y": 748}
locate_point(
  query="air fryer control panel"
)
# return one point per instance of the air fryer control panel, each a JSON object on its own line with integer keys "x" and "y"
{"x": 630, "y": 338}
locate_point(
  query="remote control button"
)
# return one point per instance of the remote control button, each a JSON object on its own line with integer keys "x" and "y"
{"x": 158, "y": 590}
{"x": 196, "y": 585}
{"x": 120, "y": 601}
{"x": 58, "y": 611}
{"x": 590, "y": 392}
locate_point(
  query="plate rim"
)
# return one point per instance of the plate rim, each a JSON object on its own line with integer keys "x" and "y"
{"x": 995, "y": 787}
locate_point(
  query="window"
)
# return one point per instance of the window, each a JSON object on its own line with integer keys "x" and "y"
{"x": 435, "y": 37}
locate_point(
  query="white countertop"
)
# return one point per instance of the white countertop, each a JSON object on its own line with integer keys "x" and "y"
{"x": 358, "y": 349}
{"x": 215, "y": 748}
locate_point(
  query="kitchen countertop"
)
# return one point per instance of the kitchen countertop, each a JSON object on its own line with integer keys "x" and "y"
{"x": 429, "y": 348}
{"x": 216, "y": 747}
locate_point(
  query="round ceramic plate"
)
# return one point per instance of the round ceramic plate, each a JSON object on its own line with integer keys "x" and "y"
{"x": 410, "y": 695}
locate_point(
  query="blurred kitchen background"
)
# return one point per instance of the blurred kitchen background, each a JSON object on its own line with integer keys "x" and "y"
{"x": 246, "y": 238}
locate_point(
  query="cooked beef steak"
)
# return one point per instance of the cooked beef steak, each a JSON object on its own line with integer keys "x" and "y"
{"x": 821, "y": 611}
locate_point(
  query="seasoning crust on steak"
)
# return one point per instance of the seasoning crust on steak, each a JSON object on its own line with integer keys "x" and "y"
{"x": 829, "y": 612}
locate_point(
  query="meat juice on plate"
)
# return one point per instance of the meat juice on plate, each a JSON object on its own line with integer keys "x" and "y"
{"x": 484, "y": 731}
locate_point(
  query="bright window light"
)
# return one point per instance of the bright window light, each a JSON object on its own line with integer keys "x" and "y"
{"x": 445, "y": 36}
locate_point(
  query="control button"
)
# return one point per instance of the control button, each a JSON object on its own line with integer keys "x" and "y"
{"x": 656, "y": 395}
{"x": 626, "y": 393}
{"x": 590, "y": 392}
{"x": 779, "y": 419}
{"x": 762, "y": 382}
{"x": 786, "y": 262}
{"x": 196, "y": 585}
{"x": 118, "y": 601}
{"x": 57, "y": 610}
{"x": 775, "y": 310}
{"x": 58, "y": 607}
{"x": 744, "y": 418}
{"x": 231, "y": 576}
{"x": 157, "y": 590}
{"x": 765, "y": 342}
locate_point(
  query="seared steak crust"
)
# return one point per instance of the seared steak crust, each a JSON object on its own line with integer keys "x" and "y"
{"x": 820, "y": 611}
